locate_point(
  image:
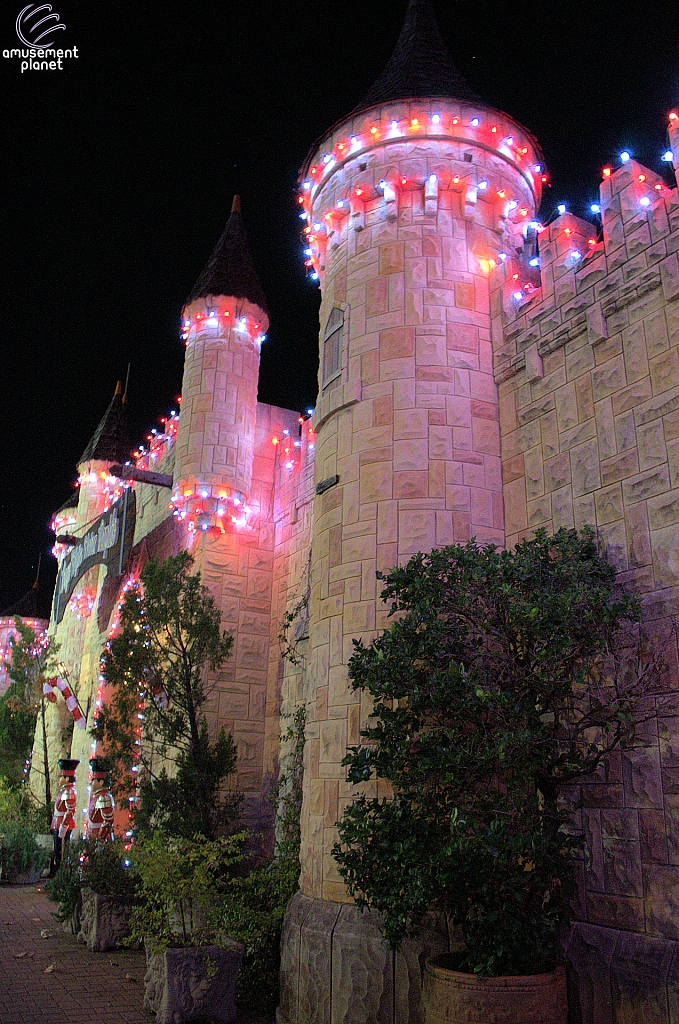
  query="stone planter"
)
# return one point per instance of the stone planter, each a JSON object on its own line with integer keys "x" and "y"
{"x": 183, "y": 984}
{"x": 104, "y": 921}
{"x": 451, "y": 997}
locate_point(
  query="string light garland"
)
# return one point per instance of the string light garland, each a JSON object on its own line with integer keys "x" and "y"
{"x": 132, "y": 583}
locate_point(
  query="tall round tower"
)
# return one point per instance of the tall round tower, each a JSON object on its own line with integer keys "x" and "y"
{"x": 224, "y": 321}
{"x": 409, "y": 202}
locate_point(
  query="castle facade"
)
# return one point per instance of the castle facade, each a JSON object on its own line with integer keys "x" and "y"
{"x": 481, "y": 375}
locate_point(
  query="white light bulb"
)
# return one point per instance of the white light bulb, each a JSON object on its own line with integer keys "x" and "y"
{"x": 595, "y": 208}
{"x": 668, "y": 156}
{"x": 475, "y": 122}
{"x": 483, "y": 185}
{"x": 561, "y": 208}
{"x": 645, "y": 201}
{"x": 535, "y": 262}
{"x": 624, "y": 157}
{"x": 518, "y": 295}
{"x": 436, "y": 119}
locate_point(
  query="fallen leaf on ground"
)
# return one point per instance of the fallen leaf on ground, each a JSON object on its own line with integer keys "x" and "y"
{"x": 44, "y": 934}
{"x": 8, "y": 922}
{"x": 48, "y": 970}
{"x": 18, "y": 956}
{"x": 35, "y": 919}
{"x": 130, "y": 977}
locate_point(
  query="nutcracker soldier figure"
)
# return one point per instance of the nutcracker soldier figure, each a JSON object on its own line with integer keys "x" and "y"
{"x": 101, "y": 807}
{"x": 63, "y": 819}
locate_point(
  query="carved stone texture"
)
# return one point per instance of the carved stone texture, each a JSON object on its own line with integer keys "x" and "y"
{"x": 291, "y": 939}
{"x": 639, "y": 979}
{"x": 641, "y": 775}
{"x": 661, "y": 893}
{"x": 589, "y": 951}
{"x": 104, "y": 921}
{"x": 409, "y": 964}
{"x": 362, "y": 970}
{"x": 315, "y": 957}
{"x": 451, "y": 997}
{"x": 181, "y": 986}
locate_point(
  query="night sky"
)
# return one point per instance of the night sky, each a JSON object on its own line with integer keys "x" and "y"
{"x": 120, "y": 170}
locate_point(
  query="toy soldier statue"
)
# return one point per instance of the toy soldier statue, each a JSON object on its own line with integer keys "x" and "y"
{"x": 100, "y": 811}
{"x": 63, "y": 819}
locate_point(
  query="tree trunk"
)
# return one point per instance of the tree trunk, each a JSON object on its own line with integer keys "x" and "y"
{"x": 48, "y": 787}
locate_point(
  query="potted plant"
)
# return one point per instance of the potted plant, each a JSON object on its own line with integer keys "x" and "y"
{"x": 505, "y": 675}
{"x": 65, "y": 887}
{"x": 21, "y": 858}
{"x": 108, "y": 892}
{"x": 191, "y": 967}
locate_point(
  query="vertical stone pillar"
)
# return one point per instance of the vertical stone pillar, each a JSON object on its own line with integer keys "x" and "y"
{"x": 218, "y": 494}
{"x": 407, "y": 421}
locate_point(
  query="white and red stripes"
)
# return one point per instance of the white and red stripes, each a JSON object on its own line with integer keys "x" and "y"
{"x": 71, "y": 701}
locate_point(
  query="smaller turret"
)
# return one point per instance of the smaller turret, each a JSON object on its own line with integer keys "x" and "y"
{"x": 224, "y": 323}
{"x": 110, "y": 443}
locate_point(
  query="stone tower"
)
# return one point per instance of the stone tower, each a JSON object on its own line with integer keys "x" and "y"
{"x": 218, "y": 499}
{"x": 410, "y": 202}
{"x": 224, "y": 320}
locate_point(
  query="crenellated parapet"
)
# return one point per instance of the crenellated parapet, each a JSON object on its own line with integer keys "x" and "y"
{"x": 406, "y": 154}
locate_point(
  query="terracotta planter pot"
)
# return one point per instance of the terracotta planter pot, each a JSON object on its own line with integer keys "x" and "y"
{"x": 451, "y": 997}
{"x": 183, "y": 984}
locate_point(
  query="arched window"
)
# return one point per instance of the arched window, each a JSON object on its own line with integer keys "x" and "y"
{"x": 333, "y": 337}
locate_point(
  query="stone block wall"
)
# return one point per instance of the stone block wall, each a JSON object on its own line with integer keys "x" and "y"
{"x": 587, "y": 367}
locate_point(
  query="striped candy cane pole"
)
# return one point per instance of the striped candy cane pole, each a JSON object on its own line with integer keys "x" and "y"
{"x": 71, "y": 701}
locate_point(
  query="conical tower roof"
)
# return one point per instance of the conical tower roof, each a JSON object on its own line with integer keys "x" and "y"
{"x": 420, "y": 66}
{"x": 230, "y": 270}
{"x": 111, "y": 442}
{"x": 31, "y": 606}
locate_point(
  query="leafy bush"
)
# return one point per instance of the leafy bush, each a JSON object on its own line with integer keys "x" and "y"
{"x": 104, "y": 870}
{"x": 254, "y": 907}
{"x": 64, "y": 888}
{"x": 169, "y": 635}
{"x": 504, "y": 675}
{"x": 19, "y": 851}
{"x": 181, "y": 883}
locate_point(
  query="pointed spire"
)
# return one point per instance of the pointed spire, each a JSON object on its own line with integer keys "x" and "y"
{"x": 111, "y": 441}
{"x": 230, "y": 270}
{"x": 420, "y": 65}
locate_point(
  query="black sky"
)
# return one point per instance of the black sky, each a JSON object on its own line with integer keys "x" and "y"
{"x": 119, "y": 173}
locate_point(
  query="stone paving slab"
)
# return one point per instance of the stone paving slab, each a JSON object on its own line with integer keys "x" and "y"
{"x": 81, "y": 988}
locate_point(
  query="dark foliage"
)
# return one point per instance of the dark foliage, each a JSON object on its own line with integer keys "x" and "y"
{"x": 505, "y": 674}
{"x": 157, "y": 668}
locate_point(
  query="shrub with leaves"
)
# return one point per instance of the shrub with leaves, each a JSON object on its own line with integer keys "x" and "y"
{"x": 106, "y": 870}
{"x": 504, "y": 675}
{"x": 64, "y": 888}
{"x": 23, "y": 705}
{"x": 156, "y": 670}
{"x": 255, "y": 904}
{"x": 181, "y": 884}
{"x": 19, "y": 851}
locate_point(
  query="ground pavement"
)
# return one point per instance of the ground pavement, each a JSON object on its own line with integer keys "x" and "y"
{"x": 46, "y": 977}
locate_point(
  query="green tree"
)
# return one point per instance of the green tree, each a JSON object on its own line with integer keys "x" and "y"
{"x": 156, "y": 668}
{"x": 504, "y": 676}
{"x": 23, "y": 706}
